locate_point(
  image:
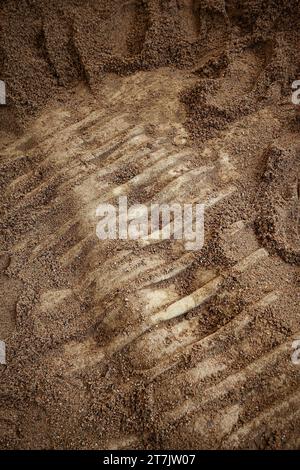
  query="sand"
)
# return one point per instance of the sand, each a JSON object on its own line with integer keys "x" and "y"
{"x": 162, "y": 101}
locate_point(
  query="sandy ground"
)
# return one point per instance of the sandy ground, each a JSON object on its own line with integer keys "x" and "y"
{"x": 123, "y": 344}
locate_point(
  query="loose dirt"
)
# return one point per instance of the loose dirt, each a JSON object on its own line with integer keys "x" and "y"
{"x": 127, "y": 345}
